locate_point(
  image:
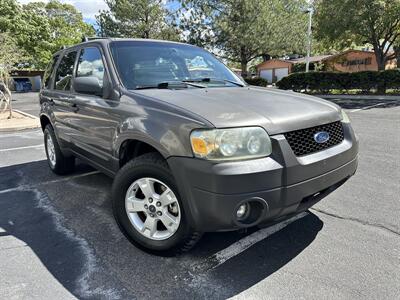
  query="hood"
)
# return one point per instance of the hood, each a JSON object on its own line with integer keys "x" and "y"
{"x": 276, "y": 110}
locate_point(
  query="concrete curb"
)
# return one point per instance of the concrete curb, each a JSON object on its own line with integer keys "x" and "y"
{"x": 25, "y": 114}
{"x": 11, "y": 129}
{"x": 35, "y": 125}
{"x": 359, "y": 97}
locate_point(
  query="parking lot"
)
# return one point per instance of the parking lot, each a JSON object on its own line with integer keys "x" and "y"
{"x": 58, "y": 238}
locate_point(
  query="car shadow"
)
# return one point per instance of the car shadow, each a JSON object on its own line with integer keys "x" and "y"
{"x": 256, "y": 263}
{"x": 61, "y": 234}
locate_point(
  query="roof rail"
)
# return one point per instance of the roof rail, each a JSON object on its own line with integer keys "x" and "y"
{"x": 87, "y": 39}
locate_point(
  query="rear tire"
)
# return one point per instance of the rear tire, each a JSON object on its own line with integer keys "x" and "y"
{"x": 144, "y": 179}
{"x": 58, "y": 163}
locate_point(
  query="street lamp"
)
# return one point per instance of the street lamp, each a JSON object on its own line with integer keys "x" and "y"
{"x": 310, "y": 12}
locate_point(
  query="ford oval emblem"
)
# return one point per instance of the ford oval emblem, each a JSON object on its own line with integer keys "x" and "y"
{"x": 321, "y": 137}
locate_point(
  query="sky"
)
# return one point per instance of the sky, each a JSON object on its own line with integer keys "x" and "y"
{"x": 89, "y": 8}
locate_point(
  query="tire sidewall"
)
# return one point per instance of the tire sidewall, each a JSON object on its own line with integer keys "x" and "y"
{"x": 120, "y": 187}
{"x": 49, "y": 132}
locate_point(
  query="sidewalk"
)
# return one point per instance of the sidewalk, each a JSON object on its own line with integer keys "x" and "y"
{"x": 19, "y": 121}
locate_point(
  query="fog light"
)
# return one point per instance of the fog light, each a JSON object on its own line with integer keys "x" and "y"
{"x": 242, "y": 210}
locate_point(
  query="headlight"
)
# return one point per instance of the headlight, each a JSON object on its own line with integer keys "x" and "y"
{"x": 231, "y": 144}
{"x": 345, "y": 117}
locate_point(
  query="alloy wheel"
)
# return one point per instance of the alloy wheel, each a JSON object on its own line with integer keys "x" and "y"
{"x": 152, "y": 208}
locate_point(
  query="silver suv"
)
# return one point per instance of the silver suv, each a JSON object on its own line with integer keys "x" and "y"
{"x": 190, "y": 146}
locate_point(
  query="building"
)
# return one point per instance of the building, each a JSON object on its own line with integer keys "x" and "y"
{"x": 355, "y": 61}
{"x": 348, "y": 61}
{"x": 26, "y": 80}
{"x": 275, "y": 69}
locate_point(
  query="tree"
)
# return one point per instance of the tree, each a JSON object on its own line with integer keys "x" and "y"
{"x": 10, "y": 55}
{"x": 42, "y": 29}
{"x": 376, "y": 22}
{"x": 136, "y": 18}
{"x": 245, "y": 29}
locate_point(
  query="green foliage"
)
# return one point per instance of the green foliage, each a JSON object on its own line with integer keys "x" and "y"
{"x": 324, "y": 82}
{"x": 10, "y": 55}
{"x": 258, "y": 81}
{"x": 136, "y": 18}
{"x": 41, "y": 29}
{"x": 345, "y": 22}
{"x": 245, "y": 29}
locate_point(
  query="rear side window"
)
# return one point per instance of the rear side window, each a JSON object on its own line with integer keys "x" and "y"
{"x": 65, "y": 71}
{"x": 90, "y": 64}
{"x": 49, "y": 72}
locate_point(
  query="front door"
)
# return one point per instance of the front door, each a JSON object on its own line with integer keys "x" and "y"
{"x": 93, "y": 119}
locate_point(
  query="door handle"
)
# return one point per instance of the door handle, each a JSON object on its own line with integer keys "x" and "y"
{"x": 75, "y": 107}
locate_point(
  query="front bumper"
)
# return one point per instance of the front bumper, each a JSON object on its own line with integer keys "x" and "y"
{"x": 283, "y": 184}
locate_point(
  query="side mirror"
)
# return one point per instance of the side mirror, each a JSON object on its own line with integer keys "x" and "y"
{"x": 88, "y": 85}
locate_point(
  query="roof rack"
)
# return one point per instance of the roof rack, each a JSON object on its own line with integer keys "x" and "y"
{"x": 87, "y": 39}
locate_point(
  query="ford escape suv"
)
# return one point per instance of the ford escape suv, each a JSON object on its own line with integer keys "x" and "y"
{"x": 190, "y": 146}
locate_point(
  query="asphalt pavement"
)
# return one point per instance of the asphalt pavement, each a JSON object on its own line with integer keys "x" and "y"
{"x": 58, "y": 238}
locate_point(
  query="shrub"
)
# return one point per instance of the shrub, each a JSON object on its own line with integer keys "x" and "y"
{"x": 258, "y": 81}
{"x": 323, "y": 82}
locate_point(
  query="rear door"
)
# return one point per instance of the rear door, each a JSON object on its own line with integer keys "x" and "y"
{"x": 46, "y": 93}
{"x": 61, "y": 95}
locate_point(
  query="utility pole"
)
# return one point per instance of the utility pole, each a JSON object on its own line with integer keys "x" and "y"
{"x": 310, "y": 12}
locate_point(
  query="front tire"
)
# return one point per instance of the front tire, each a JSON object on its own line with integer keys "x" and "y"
{"x": 58, "y": 163}
{"x": 148, "y": 208}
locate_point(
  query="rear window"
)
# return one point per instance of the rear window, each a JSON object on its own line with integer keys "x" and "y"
{"x": 49, "y": 72}
{"x": 64, "y": 72}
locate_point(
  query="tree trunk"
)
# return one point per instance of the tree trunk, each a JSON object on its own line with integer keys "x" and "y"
{"x": 10, "y": 108}
{"x": 243, "y": 61}
{"x": 380, "y": 58}
{"x": 8, "y": 95}
{"x": 397, "y": 55}
{"x": 381, "y": 61}
{"x": 244, "y": 68}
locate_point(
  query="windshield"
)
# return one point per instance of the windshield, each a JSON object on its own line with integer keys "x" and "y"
{"x": 145, "y": 64}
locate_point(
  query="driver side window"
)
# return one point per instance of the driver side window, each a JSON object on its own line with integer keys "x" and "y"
{"x": 90, "y": 64}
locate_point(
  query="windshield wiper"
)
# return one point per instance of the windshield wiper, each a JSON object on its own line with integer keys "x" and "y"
{"x": 168, "y": 84}
{"x": 234, "y": 82}
{"x": 207, "y": 79}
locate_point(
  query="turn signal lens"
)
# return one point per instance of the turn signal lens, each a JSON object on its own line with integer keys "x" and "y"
{"x": 199, "y": 146}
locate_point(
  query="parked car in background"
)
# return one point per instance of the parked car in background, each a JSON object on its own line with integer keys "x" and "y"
{"x": 189, "y": 154}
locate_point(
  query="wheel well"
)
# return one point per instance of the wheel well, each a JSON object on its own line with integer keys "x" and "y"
{"x": 44, "y": 121}
{"x": 131, "y": 149}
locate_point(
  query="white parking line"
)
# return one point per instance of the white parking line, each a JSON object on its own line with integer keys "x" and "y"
{"x": 21, "y": 148}
{"x": 368, "y": 107}
{"x": 238, "y": 247}
{"x": 27, "y": 187}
